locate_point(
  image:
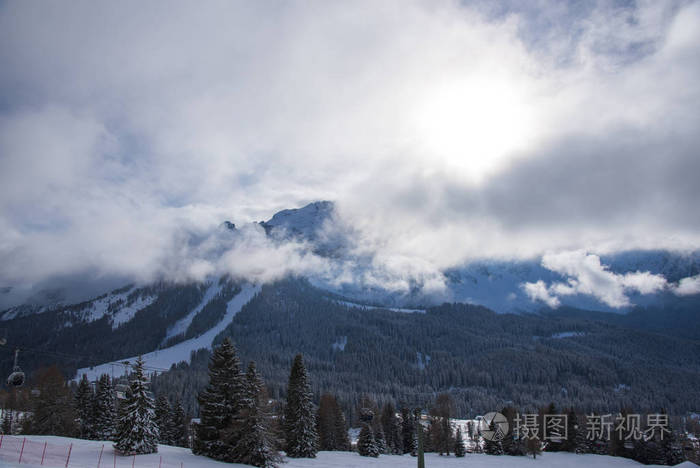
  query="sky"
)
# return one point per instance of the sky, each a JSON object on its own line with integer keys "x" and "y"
{"x": 444, "y": 131}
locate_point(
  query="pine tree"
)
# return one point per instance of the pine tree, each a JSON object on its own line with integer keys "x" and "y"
{"x": 137, "y": 431}
{"x": 164, "y": 420}
{"x": 407, "y": 430}
{"x": 342, "y": 441}
{"x": 493, "y": 447}
{"x": 7, "y": 421}
{"x": 105, "y": 409}
{"x": 459, "y": 448}
{"x": 219, "y": 402}
{"x": 380, "y": 441}
{"x": 180, "y": 427}
{"x": 249, "y": 436}
{"x": 300, "y": 425}
{"x": 366, "y": 445}
{"x": 52, "y": 409}
{"x": 671, "y": 448}
{"x": 84, "y": 409}
{"x": 392, "y": 431}
{"x": 330, "y": 425}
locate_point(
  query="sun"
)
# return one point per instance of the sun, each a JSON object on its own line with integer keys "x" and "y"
{"x": 475, "y": 125}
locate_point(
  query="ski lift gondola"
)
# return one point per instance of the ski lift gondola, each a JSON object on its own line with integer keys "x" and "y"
{"x": 16, "y": 378}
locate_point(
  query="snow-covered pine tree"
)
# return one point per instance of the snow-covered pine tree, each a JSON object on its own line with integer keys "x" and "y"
{"x": 250, "y": 437}
{"x": 84, "y": 409}
{"x": 164, "y": 420}
{"x": 493, "y": 447}
{"x": 105, "y": 409}
{"x": 459, "y": 448}
{"x": 137, "y": 431}
{"x": 180, "y": 427}
{"x": 366, "y": 444}
{"x": 219, "y": 402}
{"x": 672, "y": 448}
{"x": 299, "y": 423}
{"x": 7, "y": 421}
{"x": 380, "y": 441}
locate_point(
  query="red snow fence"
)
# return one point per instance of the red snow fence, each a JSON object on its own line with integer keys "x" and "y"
{"x": 21, "y": 450}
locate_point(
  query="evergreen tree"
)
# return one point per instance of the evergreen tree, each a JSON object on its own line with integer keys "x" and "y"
{"x": 249, "y": 436}
{"x": 330, "y": 425}
{"x": 671, "y": 447}
{"x": 52, "y": 408}
{"x": 219, "y": 402}
{"x": 407, "y": 430}
{"x": 299, "y": 422}
{"x": 366, "y": 445}
{"x": 392, "y": 430}
{"x": 137, "y": 431}
{"x": 105, "y": 409}
{"x": 493, "y": 447}
{"x": 84, "y": 409}
{"x": 380, "y": 441}
{"x": 325, "y": 422}
{"x": 342, "y": 441}
{"x": 164, "y": 420}
{"x": 459, "y": 448}
{"x": 7, "y": 421}
{"x": 180, "y": 426}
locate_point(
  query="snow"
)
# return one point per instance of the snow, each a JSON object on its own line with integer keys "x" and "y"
{"x": 162, "y": 359}
{"x": 125, "y": 314}
{"x": 423, "y": 360}
{"x": 340, "y": 344}
{"x": 369, "y": 307}
{"x": 86, "y": 454}
{"x": 181, "y": 325}
{"x": 568, "y": 334}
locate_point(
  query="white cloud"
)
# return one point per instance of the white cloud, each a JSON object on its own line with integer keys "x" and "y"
{"x": 442, "y": 133}
{"x": 688, "y": 286}
{"x": 586, "y": 275}
{"x": 538, "y": 291}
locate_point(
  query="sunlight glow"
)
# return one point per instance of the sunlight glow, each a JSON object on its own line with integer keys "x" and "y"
{"x": 475, "y": 125}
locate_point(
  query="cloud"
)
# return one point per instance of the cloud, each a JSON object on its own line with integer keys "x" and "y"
{"x": 445, "y": 131}
{"x": 688, "y": 286}
{"x": 586, "y": 275}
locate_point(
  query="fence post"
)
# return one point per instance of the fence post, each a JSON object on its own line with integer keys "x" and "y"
{"x": 133, "y": 461}
{"x": 22, "y": 451}
{"x": 115, "y": 458}
{"x": 70, "y": 449}
{"x": 100, "y": 459}
{"x": 1, "y": 437}
{"x": 43, "y": 453}
{"x": 160, "y": 463}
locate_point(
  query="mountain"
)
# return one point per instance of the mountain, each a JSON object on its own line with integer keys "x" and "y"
{"x": 399, "y": 346}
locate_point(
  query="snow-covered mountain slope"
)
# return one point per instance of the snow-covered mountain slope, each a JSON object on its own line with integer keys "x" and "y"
{"x": 305, "y": 223}
{"x": 162, "y": 359}
{"x": 180, "y": 327}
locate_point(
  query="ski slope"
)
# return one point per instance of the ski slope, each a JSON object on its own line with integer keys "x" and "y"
{"x": 86, "y": 453}
{"x": 162, "y": 359}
